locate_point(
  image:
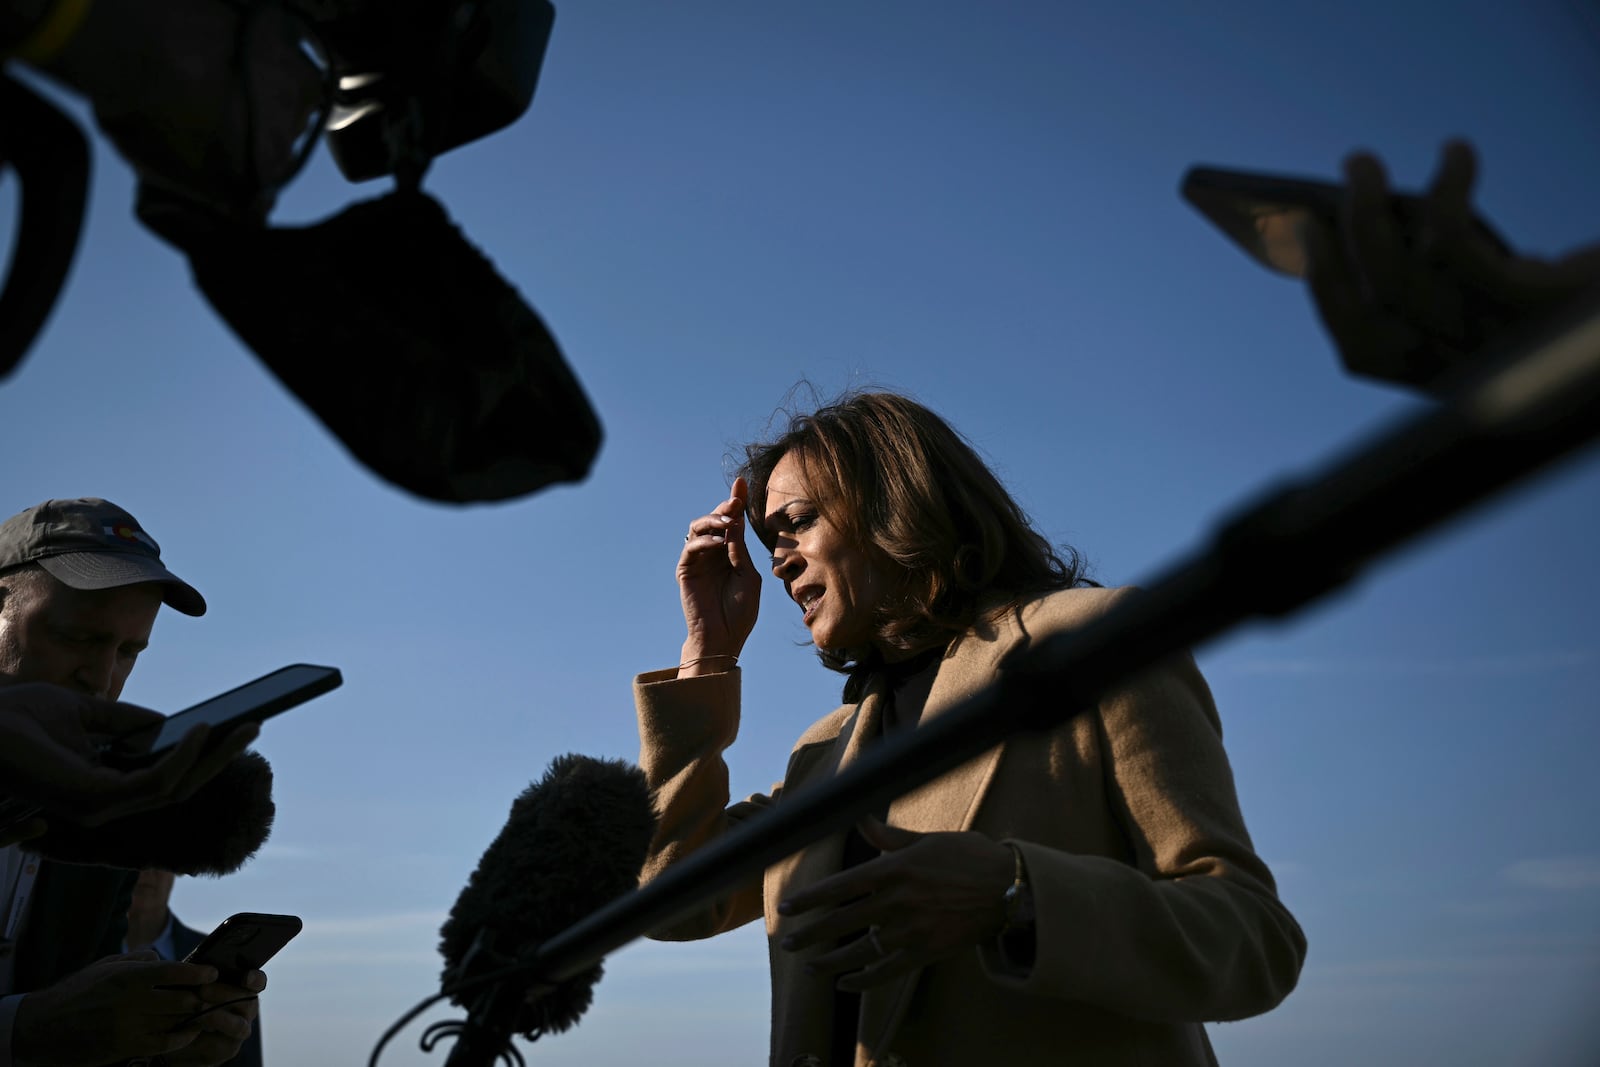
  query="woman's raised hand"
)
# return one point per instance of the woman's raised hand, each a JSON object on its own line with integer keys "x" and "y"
{"x": 719, "y": 585}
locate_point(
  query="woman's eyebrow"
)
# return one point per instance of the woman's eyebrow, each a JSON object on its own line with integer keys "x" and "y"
{"x": 782, "y": 510}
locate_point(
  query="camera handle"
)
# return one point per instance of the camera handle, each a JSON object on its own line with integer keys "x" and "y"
{"x": 51, "y": 158}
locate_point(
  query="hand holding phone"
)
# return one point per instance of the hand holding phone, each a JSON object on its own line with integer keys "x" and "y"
{"x": 253, "y": 702}
{"x": 49, "y": 760}
{"x": 1272, "y": 216}
{"x": 238, "y": 948}
{"x": 1410, "y": 286}
{"x": 243, "y": 943}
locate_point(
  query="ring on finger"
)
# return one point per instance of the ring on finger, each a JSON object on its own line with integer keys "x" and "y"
{"x": 872, "y": 939}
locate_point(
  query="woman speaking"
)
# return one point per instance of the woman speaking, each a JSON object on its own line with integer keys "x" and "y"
{"x": 1085, "y": 895}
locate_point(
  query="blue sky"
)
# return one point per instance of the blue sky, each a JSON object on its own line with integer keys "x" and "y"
{"x": 711, "y": 201}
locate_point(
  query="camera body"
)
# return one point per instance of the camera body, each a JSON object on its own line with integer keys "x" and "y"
{"x": 413, "y": 79}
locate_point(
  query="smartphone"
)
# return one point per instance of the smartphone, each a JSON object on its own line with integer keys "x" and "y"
{"x": 1263, "y": 213}
{"x": 256, "y": 701}
{"x": 243, "y": 943}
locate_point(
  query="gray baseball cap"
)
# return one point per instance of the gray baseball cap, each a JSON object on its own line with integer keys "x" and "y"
{"x": 91, "y": 543}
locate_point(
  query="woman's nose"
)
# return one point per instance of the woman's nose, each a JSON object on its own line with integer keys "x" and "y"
{"x": 785, "y": 563}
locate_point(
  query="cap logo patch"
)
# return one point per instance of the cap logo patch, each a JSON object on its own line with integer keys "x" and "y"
{"x": 131, "y": 535}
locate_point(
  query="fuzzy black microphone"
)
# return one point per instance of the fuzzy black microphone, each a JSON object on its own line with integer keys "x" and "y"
{"x": 213, "y": 832}
{"x": 404, "y": 340}
{"x": 574, "y": 840}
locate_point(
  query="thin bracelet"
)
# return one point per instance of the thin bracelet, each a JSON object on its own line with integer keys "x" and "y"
{"x": 53, "y": 33}
{"x": 702, "y": 659}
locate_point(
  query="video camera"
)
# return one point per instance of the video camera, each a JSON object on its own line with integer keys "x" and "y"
{"x": 416, "y": 78}
{"x": 383, "y": 319}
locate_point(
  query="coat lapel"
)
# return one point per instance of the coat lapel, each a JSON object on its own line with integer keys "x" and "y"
{"x": 950, "y": 802}
{"x": 824, "y": 857}
{"x": 796, "y": 1016}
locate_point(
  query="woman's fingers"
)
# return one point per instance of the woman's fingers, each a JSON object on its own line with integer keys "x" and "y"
{"x": 707, "y": 531}
{"x": 718, "y": 583}
{"x": 837, "y": 923}
{"x": 734, "y": 509}
{"x": 718, "y": 526}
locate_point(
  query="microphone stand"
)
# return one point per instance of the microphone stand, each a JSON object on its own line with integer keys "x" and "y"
{"x": 1514, "y": 410}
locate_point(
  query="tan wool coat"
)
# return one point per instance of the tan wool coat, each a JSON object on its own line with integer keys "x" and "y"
{"x": 1154, "y": 914}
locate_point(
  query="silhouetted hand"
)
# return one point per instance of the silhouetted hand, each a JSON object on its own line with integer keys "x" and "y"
{"x": 1408, "y": 307}
{"x": 48, "y": 754}
{"x": 116, "y": 1009}
{"x": 226, "y": 1027}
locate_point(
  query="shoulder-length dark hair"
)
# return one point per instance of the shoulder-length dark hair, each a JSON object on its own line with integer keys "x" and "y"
{"x": 899, "y": 482}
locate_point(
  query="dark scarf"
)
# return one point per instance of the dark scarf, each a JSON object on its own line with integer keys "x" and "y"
{"x": 857, "y": 850}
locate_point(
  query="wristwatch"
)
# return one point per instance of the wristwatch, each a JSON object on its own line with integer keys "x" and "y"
{"x": 1017, "y": 935}
{"x": 1019, "y": 894}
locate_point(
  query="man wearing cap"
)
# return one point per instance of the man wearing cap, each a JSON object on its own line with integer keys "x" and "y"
{"x": 80, "y": 586}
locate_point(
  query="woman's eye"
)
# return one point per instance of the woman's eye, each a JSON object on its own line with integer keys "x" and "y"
{"x": 801, "y": 520}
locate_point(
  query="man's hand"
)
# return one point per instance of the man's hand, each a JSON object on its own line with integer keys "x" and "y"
{"x": 226, "y": 1026}
{"x": 48, "y": 741}
{"x": 116, "y": 1009}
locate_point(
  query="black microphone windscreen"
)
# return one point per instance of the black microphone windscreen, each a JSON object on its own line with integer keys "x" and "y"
{"x": 213, "y": 832}
{"x": 575, "y": 839}
{"x": 402, "y": 338}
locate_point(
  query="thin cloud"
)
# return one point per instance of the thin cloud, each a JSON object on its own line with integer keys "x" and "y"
{"x": 375, "y": 957}
{"x": 1285, "y": 870}
{"x": 286, "y": 852}
{"x": 374, "y": 925}
{"x": 1560, "y": 873}
{"x": 1504, "y": 666}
